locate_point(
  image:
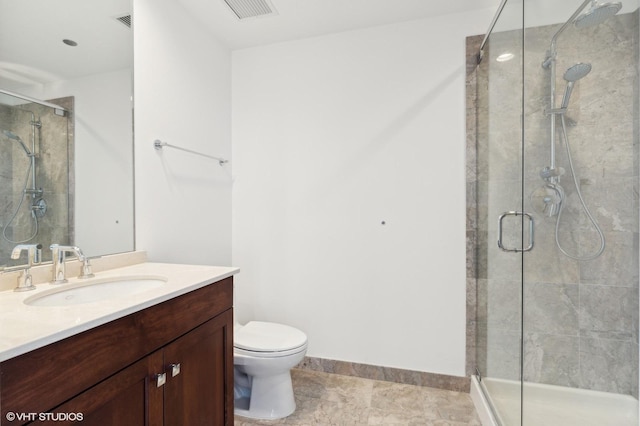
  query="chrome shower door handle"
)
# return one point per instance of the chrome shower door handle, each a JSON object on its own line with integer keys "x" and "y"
{"x": 500, "y": 242}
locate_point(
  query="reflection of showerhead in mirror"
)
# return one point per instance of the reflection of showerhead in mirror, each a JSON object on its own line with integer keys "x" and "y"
{"x": 547, "y": 199}
{"x": 16, "y": 138}
{"x": 597, "y": 14}
{"x": 11, "y": 135}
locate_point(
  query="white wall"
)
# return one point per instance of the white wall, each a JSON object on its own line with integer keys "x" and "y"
{"x": 331, "y": 137}
{"x": 182, "y": 96}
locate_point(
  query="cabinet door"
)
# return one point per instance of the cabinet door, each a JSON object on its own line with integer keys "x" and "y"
{"x": 130, "y": 397}
{"x": 197, "y": 394}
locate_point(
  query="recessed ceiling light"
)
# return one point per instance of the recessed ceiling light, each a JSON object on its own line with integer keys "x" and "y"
{"x": 69, "y": 42}
{"x": 505, "y": 57}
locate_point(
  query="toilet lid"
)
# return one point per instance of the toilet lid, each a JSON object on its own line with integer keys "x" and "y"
{"x": 261, "y": 336}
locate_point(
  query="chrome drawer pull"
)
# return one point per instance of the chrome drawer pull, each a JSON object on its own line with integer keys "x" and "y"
{"x": 175, "y": 369}
{"x": 161, "y": 379}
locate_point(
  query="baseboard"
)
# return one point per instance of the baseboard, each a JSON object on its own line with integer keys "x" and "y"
{"x": 387, "y": 374}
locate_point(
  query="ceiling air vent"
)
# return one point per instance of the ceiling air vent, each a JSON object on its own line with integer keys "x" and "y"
{"x": 124, "y": 20}
{"x": 251, "y": 8}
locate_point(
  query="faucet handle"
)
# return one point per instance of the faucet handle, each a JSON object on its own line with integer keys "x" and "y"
{"x": 25, "y": 281}
{"x": 34, "y": 253}
{"x": 34, "y": 256}
{"x": 86, "y": 271}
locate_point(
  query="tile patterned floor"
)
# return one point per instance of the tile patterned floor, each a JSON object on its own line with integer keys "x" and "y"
{"x": 331, "y": 399}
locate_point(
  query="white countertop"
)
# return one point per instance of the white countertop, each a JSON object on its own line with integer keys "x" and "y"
{"x": 24, "y": 328}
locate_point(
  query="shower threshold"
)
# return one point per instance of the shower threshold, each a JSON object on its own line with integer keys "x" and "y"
{"x": 550, "y": 405}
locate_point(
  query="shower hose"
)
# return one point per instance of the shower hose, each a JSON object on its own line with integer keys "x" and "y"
{"x": 584, "y": 205}
{"x": 15, "y": 213}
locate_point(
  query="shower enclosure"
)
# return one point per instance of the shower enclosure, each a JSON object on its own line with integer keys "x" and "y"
{"x": 36, "y": 146}
{"x": 553, "y": 107}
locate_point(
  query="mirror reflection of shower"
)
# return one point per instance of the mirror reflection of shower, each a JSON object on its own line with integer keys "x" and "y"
{"x": 36, "y": 207}
{"x": 551, "y": 197}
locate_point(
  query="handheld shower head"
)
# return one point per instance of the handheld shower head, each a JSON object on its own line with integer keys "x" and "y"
{"x": 573, "y": 74}
{"x": 16, "y": 138}
{"x": 597, "y": 14}
{"x": 577, "y": 71}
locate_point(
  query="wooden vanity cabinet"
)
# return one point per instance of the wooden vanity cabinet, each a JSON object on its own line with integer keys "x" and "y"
{"x": 129, "y": 397}
{"x": 189, "y": 339}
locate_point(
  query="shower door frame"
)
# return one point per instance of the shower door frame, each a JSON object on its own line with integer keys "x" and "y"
{"x": 521, "y": 235}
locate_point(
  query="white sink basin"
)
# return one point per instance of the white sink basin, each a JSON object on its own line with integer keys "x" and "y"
{"x": 95, "y": 290}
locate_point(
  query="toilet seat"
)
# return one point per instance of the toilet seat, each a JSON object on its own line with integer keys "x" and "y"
{"x": 265, "y": 339}
{"x": 237, "y": 352}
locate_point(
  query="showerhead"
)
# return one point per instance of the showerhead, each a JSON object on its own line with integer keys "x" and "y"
{"x": 16, "y": 138}
{"x": 573, "y": 74}
{"x": 597, "y": 14}
{"x": 577, "y": 71}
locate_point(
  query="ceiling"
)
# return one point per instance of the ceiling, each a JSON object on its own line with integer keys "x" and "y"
{"x": 31, "y": 34}
{"x": 296, "y": 19}
{"x": 31, "y": 31}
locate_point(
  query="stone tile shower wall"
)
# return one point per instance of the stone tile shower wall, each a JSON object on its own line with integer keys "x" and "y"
{"x": 580, "y": 318}
{"x": 54, "y": 173}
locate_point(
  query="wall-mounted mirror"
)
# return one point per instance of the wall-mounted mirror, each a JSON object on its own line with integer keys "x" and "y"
{"x": 66, "y": 130}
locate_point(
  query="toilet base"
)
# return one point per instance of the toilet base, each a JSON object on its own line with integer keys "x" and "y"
{"x": 271, "y": 398}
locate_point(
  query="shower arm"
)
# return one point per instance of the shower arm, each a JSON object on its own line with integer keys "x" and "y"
{"x": 551, "y": 54}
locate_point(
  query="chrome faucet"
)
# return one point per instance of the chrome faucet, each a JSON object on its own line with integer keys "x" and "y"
{"x": 58, "y": 253}
{"x": 34, "y": 255}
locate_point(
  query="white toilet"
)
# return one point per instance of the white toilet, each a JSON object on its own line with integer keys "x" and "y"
{"x": 263, "y": 355}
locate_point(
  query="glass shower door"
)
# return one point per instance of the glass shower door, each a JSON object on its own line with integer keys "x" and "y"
{"x": 503, "y": 229}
